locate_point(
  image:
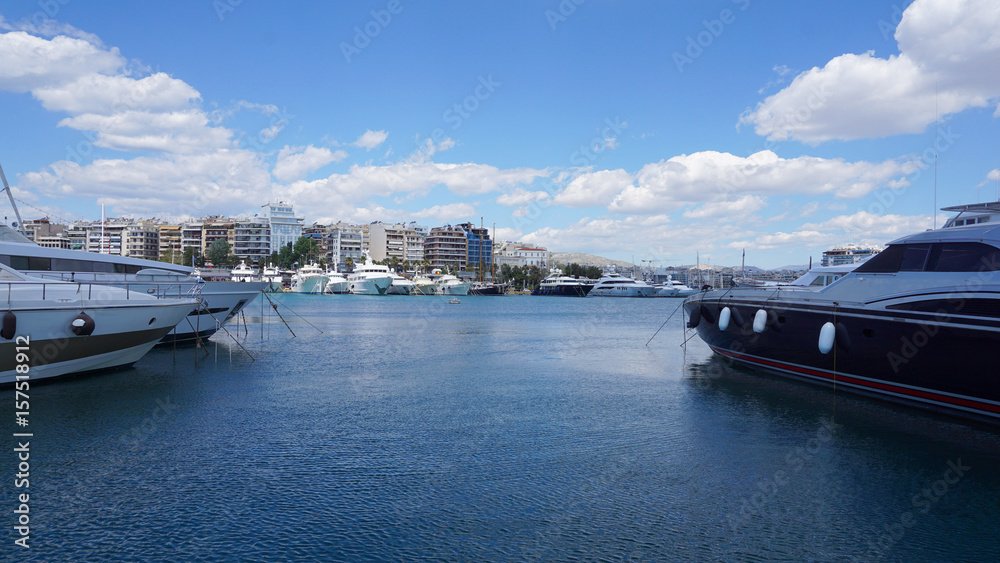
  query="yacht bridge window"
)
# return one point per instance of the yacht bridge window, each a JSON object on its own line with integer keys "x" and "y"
{"x": 934, "y": 257}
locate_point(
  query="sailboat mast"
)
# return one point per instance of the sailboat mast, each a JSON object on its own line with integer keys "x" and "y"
{"x": 10, "y": 196}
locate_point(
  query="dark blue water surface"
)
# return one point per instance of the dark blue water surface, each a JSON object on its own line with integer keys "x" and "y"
{"x": 499, "y": 429}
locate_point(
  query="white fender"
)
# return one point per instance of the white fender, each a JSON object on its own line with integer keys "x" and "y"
{"x": 827, "y": 335}
{"x": 760, "y": 321}
{"x": 724, "y": 315}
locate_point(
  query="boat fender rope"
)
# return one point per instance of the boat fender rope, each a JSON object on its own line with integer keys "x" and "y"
{"x": 83, "y": 325}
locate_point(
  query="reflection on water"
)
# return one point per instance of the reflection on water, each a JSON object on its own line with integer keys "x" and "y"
{"x": 503, "y": 428}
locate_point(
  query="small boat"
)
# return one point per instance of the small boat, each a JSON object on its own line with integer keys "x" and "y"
{"x": 451, "y": 285}
{"x": 243, "y": 273}
{"x": 454, "y": 301}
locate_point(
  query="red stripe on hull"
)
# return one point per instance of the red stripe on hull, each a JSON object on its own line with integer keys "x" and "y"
{"x": 979, "y": 406}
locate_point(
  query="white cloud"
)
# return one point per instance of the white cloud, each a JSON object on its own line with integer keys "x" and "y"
{"x": 713, "y": 176}
{"x": 521, "y": 196}
{"x": 371, "y": 139}
{"x": 449, "y": 212}
{"x": 103, "y": 94}
{"x": 947, "y": 64}
{"x": 736, "y": 210}
{"x": 864, "y": 226}
{"x": 28, "y": 62}
{"x": 295, "y": 163}
{"x": 173, "y": 132}
{"x": 594, "y": 188}
{"x": 179, "y": 184}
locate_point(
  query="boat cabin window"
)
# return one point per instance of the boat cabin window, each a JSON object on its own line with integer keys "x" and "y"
{"x": 936, "y": 257}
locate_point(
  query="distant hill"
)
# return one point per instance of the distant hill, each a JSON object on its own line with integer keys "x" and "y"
{"x": 798, "y": 268}
{"x": 585, "y": 259}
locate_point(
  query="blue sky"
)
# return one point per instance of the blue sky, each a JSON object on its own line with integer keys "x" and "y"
{"x": 645, "y": 130}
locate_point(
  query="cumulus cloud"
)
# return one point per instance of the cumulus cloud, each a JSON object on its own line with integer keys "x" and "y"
{"x": 521, "y": 196}
{"x": 711, "y": 176}
{"x": 594, "y": 188}
{"x": 295, "y": 163}
{"x": 449, "y": 212}
{"x": 103, "y": 94}
{"x": 179, "y": 184}
{"x": 371, "y": 139}
{"x": 171, "y": 132}
{"x": 947, "y": 64}
{"x": 28, "y": 62}
{"x": 738, "y": 209}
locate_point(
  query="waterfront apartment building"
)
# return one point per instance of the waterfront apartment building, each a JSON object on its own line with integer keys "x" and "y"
{"x": 387, "y": 241}
{"x": 317, "y": 232}
{"x": 170, "y": 243}
{"x": 191, "y": 237}
{"x": 479, "y": 247}
{"x": 217, "y": 228}
{"x": 286, "y": 228}
{"x": 447, "y": 247}
{"x": 520, "y": 254}
{"x": 105, "y": 237}
{"x": 251, "y": 239}
{"x": 142, "y": 240}
{"x": 343, "y": 241}
{"x": 849, "y": 254}
{"x": 415, "y": 237}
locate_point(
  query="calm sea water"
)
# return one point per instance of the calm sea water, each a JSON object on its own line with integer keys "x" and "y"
{"x": 500, "y": 429}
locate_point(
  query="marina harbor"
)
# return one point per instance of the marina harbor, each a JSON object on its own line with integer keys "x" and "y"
{"x": 552, "y": 282}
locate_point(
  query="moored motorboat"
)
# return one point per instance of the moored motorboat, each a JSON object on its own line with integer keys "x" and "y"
{"x": 450, "y": 285}
{"x": 54, "y": 328}
{"x": 617, "y": 285}
{"x": 337, "y": 283}
{"x": 243, "y": 273}
{"x": 423, "y": 285}
{"x": 400, "y": 286}
{"x": 480, "y": 288}
{"x": 309, "y": 279}
{"x": 370, "y": 278}
{"x": 916, "y": 323}
{"x": 563, "y": 286}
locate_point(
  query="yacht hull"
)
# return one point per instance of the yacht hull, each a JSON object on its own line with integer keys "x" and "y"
{"x": 581, "y": 290}
{"x": 370, "y": 286}
{"x": 646, "y": 291}
{"x": 934, "y": 360}
{"x": 313, "y": 285}
{"x": 338, "y": 287}
{"x": 122, "y": 335}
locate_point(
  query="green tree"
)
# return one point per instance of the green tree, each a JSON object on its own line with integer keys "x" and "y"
{"x": 192, "y": 256}
{"x": 218, "y": 253}
{"x": 349, "y": 264}
{"x": 286, "y": 257}
{"x": 306, "y": 249}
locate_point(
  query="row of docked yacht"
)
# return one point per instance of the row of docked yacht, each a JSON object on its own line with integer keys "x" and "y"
{"x": 916, "y": 323}
{"x": 610, "y": 285}
{"x": 70, "y": 311}
{"x": 374, "y": 279}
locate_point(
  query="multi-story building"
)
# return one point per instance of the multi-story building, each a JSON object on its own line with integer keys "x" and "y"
{"x": 251, "y": 239}
{"x": 343, "y": 241}
{"x": 142, "y": 240}
{"x": 415, "y": 236}
{"x": 479, "y": 248}
{"x": 286, "y": 228}
{"x": 217, "y": 228}
{"x": 106, "y": 237}
{"x": 191, "y": 237}
{"x": 533, "y": 255}
{"x": 849, "y": 254}
{"x": 446, "y": 247}
{"x": 387, "y": 241}
{"x": 42, "y": 228}
{"x": 170, "y": 243}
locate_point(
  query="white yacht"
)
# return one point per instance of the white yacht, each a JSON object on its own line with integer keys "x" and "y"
{"x": 243, "y": 273}
{"x": 617, "y": 285}
{"x": 309, "y": 279}
{"x": 400, "y": 286}
{"x": 272, "y": 276}
{"x": 219, "y": 301}
{"x": 370, "y": 278}
{"x": 450, "y": 285}
{"x": 337, "y": 283}
{"x": 674, "y": 288}
{"x": 57, "y": 328}
{"x": 423, "y": 285}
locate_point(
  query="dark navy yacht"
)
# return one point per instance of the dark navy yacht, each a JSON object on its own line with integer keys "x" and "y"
{"x": 918, "y": 323}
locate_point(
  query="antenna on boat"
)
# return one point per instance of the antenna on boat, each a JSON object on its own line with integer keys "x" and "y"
{"x": 935, "y": 155}
{"x": 10, "y": 196}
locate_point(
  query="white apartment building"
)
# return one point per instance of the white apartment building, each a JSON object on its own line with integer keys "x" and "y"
{"x": 343, "y": 241}
{"x": 285, "y": 227}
